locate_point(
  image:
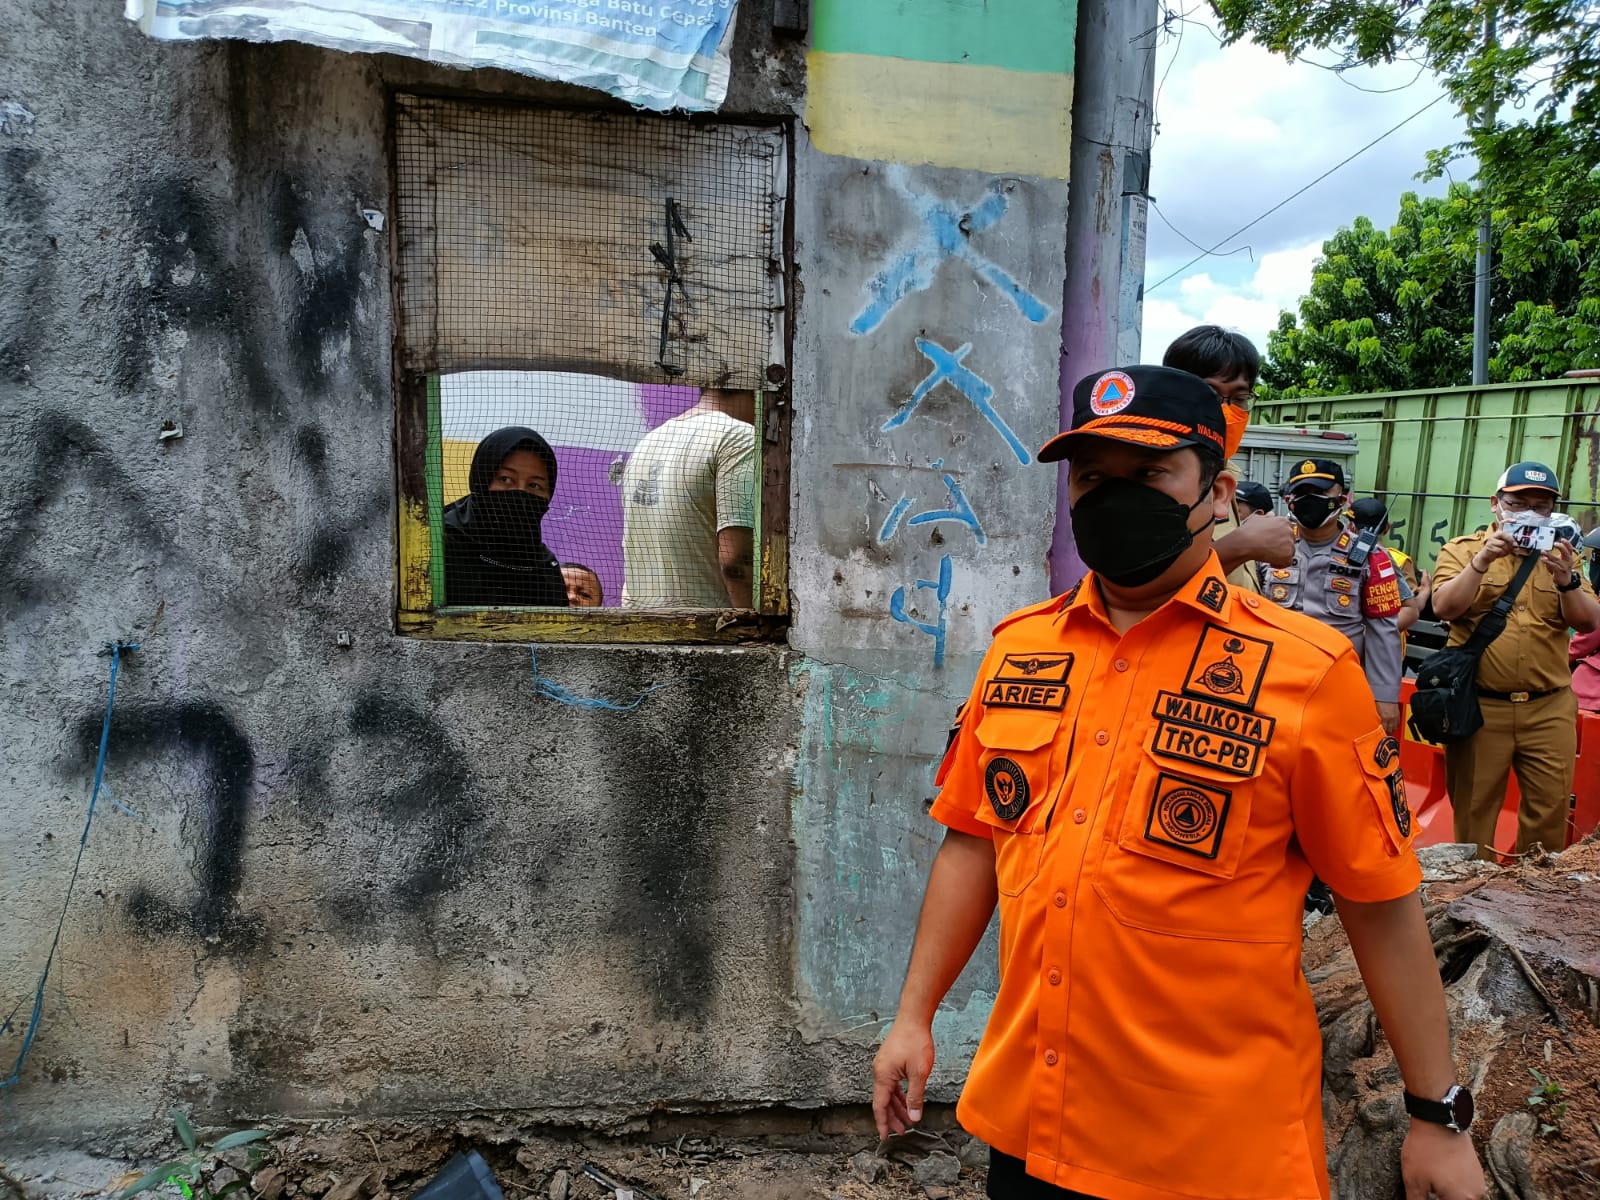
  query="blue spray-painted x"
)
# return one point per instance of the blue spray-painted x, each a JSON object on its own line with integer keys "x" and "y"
{"x": 947, "y": 368}
{"x": 945, "y": 234}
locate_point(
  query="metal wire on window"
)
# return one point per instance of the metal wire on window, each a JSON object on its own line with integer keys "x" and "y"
{"x": 596, "y": 299}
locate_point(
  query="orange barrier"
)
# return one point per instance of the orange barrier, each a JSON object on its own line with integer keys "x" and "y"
{"x": 1423, "y": 764}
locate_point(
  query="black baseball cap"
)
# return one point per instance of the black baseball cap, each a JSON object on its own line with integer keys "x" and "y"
{"x": 1320, "y": 473}
{"x": 1369, "y": 513}
{"x": 1157, "y": 407}
{"x": 1256, "y": 495}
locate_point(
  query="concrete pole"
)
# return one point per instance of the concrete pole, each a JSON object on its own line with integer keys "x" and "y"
{"x": 1480, "y": 283}
{"x": 1103, "y": 302}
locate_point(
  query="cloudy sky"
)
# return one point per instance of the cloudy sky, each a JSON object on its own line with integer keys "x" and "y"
{"x": 1238, "y": 130}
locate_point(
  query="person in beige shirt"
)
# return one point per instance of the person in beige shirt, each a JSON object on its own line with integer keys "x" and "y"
{"x": 1524, "y": 682}
{"x": 688, "y": 505}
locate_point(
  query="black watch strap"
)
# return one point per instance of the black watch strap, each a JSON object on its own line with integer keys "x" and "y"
{"x": 1453, "y": 1112}
{"x": 1572, "y": 584}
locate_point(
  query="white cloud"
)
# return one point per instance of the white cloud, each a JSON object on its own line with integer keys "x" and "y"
{"x": 1239, "y": 130}
{"x": 1251, "y": 305}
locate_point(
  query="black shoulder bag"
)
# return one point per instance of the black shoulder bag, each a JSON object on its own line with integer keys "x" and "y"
{"x": 1445, "y": 706}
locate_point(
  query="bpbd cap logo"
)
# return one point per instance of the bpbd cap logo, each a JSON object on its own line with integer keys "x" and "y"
{"x": 1111, "y": 393}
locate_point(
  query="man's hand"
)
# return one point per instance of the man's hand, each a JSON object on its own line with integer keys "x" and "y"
{"x": 1424, "y": 588}
{"x": 1559, "y": 563}
{"x": 906, "y": 1054}
{"x": 1262, "y": 538}
{"x": 1389, "y": 714}
{"x": 1436, "y": 1161}
{"x": 1498, "y": 546}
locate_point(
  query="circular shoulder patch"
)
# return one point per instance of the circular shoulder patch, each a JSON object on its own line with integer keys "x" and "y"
{"x": 1006, "y": 785}
{"x": 1111, "y": 393}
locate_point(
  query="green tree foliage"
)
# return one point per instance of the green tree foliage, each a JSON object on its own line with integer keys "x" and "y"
{"x": 1542, "y": 71}
{"x": 1392, "y": 309}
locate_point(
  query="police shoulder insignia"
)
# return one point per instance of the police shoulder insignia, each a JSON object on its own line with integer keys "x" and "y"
{"x": 1187, "y": 815}
{"x": 1006, "y": 785}
{"x": 1212, "y": 593}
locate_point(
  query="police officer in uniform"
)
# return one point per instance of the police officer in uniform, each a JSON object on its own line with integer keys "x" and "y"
{"x": 1524, "y": 682}
{"x": 1144, "y": 777}
{"x": 1360, "y": 600}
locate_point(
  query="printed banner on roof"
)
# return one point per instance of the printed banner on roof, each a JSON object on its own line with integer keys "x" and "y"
{"x": 655, "y": 54}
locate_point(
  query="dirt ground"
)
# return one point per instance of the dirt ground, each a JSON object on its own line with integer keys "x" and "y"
{"x": 774, "y": 1156}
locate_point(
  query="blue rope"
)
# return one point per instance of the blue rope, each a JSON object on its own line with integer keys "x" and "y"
{"x": 554, "y": 691}
{"x": 115, "y": 650}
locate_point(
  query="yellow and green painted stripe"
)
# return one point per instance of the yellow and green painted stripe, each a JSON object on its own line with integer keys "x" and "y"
{"x": 981, "y": 84}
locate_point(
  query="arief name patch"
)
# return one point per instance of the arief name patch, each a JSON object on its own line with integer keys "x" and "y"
{"x": 1037, "y": 681}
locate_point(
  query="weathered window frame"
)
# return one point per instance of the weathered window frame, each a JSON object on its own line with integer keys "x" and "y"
{"x": 419, "y": 609}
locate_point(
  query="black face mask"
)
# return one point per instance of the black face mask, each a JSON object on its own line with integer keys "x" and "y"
{"x": 507, "y": 526}
{"x": 1129, "y": 534}
{"x": 1312, "y": 511}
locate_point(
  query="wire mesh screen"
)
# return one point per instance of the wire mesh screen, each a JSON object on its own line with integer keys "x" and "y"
{"x": 596, "y": 299}
{"x": 636, "y": 247}
{"x": 566, "y": 489}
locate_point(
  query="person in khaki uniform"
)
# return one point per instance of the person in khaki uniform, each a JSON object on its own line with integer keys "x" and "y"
{"x": 1524, "y": 683}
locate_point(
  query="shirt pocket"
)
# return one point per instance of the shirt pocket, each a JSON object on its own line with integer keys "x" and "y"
{"x": 1014, "y": 765}
{"x": 1169, "y": 865}
{"x": 1282, "y": 583}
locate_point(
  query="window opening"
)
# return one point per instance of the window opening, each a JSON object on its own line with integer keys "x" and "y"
{"x": 591, "y": 360}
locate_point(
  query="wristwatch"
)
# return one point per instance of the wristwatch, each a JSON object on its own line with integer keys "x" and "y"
{"x": 1572, "y": 584}
{"x": 1453, "y": 1112}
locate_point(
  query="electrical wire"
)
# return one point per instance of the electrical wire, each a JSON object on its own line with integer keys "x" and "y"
{"x": 1296, "y": 194}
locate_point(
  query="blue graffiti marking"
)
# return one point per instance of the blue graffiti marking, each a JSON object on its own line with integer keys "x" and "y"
{"x": 945, "y": 235}
{"x": 947, "y": 368}
{"x": 960, "y": 511}
{"x": 892, "y": 521}
{"x": 934, "y": 629}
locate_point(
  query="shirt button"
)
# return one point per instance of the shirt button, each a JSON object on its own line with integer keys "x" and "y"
{"x": 1121, "y": 664}
{"x": 1054, "y": 977}
{"x": 1051, "y": 1058}
{"x": 1252, "y": 602}
{"x": 1080, "y": 816}
{"x": 1101, "y": 738}
{"x": 1061, "y": 899}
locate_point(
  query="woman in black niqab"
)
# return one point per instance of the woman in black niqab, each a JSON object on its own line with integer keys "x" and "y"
{"x": 494, "y": 551}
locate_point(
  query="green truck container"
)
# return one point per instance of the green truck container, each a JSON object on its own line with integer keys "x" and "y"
{"x": 1435, "y": 456}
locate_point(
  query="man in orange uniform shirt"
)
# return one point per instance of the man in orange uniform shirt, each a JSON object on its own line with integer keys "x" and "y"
{"x": 1145, "y": 777}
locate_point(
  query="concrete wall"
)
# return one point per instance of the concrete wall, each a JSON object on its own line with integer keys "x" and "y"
{"x": 393, "y": 877}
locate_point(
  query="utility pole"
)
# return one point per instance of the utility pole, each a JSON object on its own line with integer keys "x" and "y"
{"x": 1480, "y": 284}
{"x": 1108, "y": 204}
